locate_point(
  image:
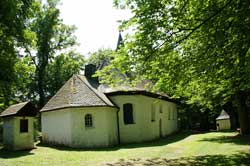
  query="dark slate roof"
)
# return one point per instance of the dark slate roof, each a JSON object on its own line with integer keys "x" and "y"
{"x": 104, "y": 63}
{"x": 140, "y": 92}
{"x": 21, "y": 109}
{"x": 78, "y": 91}
{"x": 223, "y": 115}
{"x": 142, "y": 88}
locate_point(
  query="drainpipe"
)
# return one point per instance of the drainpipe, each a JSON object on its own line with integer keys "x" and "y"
{"x": 118, "y": 126}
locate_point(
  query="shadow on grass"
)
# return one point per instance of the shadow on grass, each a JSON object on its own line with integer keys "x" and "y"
{"x": 236, "y": 139}
{"x": 14, "y": 154}
{"x": 159, "y": 142}
{"x": 242, "y": 159}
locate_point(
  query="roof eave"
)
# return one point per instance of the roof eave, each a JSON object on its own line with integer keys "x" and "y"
{"x": 6, "y": 115}
{"x": 141, "y": 92}
{"x": 59, "y": 108}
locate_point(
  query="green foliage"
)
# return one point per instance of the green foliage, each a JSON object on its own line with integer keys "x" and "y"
{"x": 61, "y": 69}
{"x": 214, "y": 148}
{"x": 108, "y": 73}
{"x": 52, "y": 36}
{"x": 13, "y": 16}
{"x": 35, "y": 47}
{"x": 23, "y": 88}
{"x": 194, "y": 50}
{"x": 115, "y": 72}
{"x": 99, "y": 56}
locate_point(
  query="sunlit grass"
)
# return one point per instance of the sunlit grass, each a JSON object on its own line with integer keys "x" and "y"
{"x": 182, "y": 148}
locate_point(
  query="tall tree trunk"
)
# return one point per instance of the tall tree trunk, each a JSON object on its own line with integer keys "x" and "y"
{"x": 243, "y": 114}
{"x": 41, "y": 72}
{"x": 231, "y": 110}
{"x": 40, "y": 91}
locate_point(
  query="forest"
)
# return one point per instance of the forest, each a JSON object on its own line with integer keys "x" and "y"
{"x": 195, "y": 51}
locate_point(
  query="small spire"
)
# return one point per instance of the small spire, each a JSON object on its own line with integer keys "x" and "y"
{"x": 119, "y": 42}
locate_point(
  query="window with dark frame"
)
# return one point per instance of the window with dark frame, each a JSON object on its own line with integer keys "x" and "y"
{"x": 24, "y": 125}
{"x": 128, "y": 113}
{"x": 88, "y": 121}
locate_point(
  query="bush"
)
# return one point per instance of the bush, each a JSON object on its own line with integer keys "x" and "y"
{"x": 37, "y": 134}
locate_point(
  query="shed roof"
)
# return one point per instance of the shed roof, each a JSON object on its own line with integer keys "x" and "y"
{"x": 78, "y": 91}
{"x": 223, "y": 115}
{"x": 20, "y": 109}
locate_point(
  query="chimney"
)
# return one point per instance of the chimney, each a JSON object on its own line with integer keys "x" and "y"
{"x": 89, "y": 71}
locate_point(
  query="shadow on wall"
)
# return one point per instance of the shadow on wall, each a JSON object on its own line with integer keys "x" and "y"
{"x": 160, "y": 142}
{"x": 237, "y": 139}
{"x": 209, "y": 160}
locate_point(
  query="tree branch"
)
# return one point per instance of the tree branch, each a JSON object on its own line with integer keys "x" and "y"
{"x": 204, "y": 22}
{"x": 193, "y": 29}
{"x": 29, "y": 53}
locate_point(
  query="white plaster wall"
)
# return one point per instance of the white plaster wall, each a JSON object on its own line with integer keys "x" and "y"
{"x": 13, "y": 138}
{"x": 144, "y": 129}
{"x": 67, "y": 126}
{"x": 224, "y": 124}
{"x": 169, "y": 121}
{"x": 8, "y": 132}
{"x": 112, "y": 126}
{"x": 56, "y": 127}
{"x": 104, "y": 130}
{"x": 23, "y": 140}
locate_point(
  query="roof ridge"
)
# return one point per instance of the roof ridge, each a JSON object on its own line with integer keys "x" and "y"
{"x": 19, "y": 103}
{"x": 92, "y": 89}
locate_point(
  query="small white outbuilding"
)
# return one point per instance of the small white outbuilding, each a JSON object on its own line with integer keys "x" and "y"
{"x": 223, "y": 121}
{"x": 18, "y": 129}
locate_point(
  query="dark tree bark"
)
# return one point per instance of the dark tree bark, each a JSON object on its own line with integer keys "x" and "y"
{"x": 41, "y": 88}
{"x": 43, "y": 62}
{"x": 232, "y": 111}
{"x": 243, "y": 113}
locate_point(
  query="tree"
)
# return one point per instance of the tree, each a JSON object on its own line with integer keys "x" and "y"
{"x": 61, "y": 69}
{"x": 23, "y": 88}
{"x": 52, "y": 37}
{"x": 197, "y": 50}
{"x": 36, "y": 55}
{"x": 13, "y": 16}
{"x": 99, "y": 56}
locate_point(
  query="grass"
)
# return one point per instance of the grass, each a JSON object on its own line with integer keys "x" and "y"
{"x": 213, "y": 148}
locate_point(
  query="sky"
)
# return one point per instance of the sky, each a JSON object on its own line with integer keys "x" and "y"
{"x": 96, "y": 22}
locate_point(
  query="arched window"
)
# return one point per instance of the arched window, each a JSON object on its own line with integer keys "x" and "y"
{"x": 128, "y": 113}
{"x": 88, "y": 121}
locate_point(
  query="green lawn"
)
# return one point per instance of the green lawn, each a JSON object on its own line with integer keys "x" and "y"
{"x": 213, "y": 148}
